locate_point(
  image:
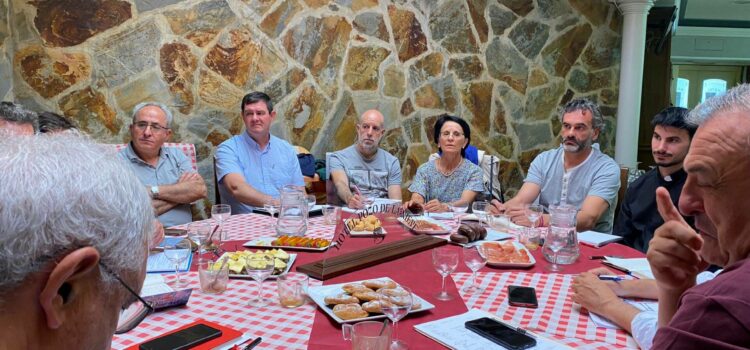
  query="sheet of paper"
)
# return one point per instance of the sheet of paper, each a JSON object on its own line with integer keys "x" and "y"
{"x": 158, "y": 262}
{"x": 154, "y": 284}
{"x": 596, "y": 239}
{"x": 637, "y": 266}
{"x": 600, "y": 321}
{"x": 452, "y": 333}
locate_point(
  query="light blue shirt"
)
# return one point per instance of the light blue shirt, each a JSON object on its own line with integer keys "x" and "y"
{"x": 266, "y": 170}
{"x": 171, "y": 165}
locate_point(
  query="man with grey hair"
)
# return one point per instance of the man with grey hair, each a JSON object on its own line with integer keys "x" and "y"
{"x": 714, "y": 314}
{"x": 72, "y": 250}
{"x": 15, "y": 119}
{"x": 576, "y": 173}
{"x": 165, "y": 171}
{"x": 364, "y": 169}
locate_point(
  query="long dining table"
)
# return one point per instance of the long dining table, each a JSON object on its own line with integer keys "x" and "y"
{"x": 308, "y": 327}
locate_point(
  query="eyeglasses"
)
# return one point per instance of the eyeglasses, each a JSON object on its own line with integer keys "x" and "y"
{"x": 154, "y": 127}
{"x": 447, "y": 134}
{"x": 132, "y": 315}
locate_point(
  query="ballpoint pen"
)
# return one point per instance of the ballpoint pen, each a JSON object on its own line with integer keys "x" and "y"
{"x": 610, "y": 278}
{"x": 253, "y": 344}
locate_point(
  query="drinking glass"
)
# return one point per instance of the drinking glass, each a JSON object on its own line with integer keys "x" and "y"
{"x": 555, "y": 241}
{"x": 395, "y": 304}
{"x": 310, "y": 202}
{"x": 220, "y": 213}
{"x": 272, "y": 208}
{"x": 292, "y": 288}
{"x": 445, "y": 261}
{"x": 177, "y": 254}
{"x": 199, "y": 232}
{"x": 479, "y": 208}
{"x": 259, "y": 267}
{"x": 458, "y": 213}
{"x": 213, "y": 276}
{"x": 474, "y": 260}
{"x": 533, "y": 213}
{"x": 331, "y": 215}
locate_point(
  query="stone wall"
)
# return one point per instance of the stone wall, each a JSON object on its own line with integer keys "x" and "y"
{"x": 504, "y": 65}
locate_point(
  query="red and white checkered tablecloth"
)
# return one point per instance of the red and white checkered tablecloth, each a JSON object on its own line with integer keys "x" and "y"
{"x": 557, "y": 316}
{"x": 253, "y": 226}
{"x": 281, "y": 328}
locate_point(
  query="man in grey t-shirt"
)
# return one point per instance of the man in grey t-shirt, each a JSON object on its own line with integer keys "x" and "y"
{"x": 575, "y": 173}
{"x": 363, "y": 169}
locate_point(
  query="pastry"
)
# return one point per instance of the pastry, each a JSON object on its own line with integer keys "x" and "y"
{"x": 377, "y": 284}
{"x": 375, "y": 306}
{"x": 349, "y": 311}
{"x": 341, "y": 298}
{"x": 393, "y": 292}
{"x": 352, "y": 288}
{"x": 366, "y": 296}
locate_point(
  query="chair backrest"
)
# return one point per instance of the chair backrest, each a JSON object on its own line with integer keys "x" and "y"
{"x": 187, "y": 148}
{"x": 622, "y": 190}
{"x": 331, "y": 196}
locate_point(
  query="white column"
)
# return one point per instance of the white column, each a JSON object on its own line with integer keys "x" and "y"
{"x": 635, "y": 13}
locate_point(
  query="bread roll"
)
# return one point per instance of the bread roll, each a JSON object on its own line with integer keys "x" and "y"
{"x": 341, "y": 298}
{"x": 352, "y": 288}
{"x": 377, "y": 284}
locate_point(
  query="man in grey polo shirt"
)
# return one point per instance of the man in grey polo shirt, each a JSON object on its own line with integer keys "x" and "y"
{"x": 576, "y": 173}
{"x": 364, "y": 169}
{"x": 165, "y": 171}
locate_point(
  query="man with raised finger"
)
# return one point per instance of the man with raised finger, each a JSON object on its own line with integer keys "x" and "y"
{"x": 712, "y": 315}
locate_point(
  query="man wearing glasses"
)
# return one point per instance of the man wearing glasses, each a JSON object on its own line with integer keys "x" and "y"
{"x": 575, "y": 173}
{"x": 73, "y": 249}
{"x": 165, "y": 171}
{"x": 364, "y": 170}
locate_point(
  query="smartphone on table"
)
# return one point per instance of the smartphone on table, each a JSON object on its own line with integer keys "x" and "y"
{"x": 522, "y": 296}
{"x": 183, "y": 339}
{"x": 501, "y": 334}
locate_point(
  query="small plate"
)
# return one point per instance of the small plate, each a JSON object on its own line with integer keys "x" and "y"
{"x": 518, "y": 247}
{"x": 318, "y": 294}
{"x": 407, "y": 222}
{"x": 365, "y": 233}
{"x": 492, "y": 236}
{"x": 289, "y": 264}
{"x": 265, "y": 242}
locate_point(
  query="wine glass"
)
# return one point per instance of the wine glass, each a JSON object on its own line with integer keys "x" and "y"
{"x": 555, "y": 241}
{"x": 199, "y": 232}
{"x": 220, "y": 213}
{"x": 259, "y": 267}
{"x": 272, "y": 208}
{"x": 445, "y": 261}
{"x": 395, "y": 304}
{"x": 533, "y": 213}
{"x": 458, "y": 213}
{"x": 479, "y": 208}
{"x": 474, "y": 260}
{"x": 177, "y": 254}
{"x": 311, "y": 200}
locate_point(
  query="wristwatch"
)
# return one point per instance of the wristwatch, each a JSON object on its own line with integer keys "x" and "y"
{"x": 154, "y": 191}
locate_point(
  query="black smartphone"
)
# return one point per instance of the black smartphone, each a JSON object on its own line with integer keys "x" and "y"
{"x": 501, "y": 334}
{"x": 522, "y": 296}
{"x": 184, "y": 339}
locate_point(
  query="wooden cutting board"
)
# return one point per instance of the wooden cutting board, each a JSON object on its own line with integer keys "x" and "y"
{"x": 345, "y": 263}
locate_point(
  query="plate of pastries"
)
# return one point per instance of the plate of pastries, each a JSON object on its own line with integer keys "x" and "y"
{"x": 359, "y": 300}
{"x": 365, "y": 226}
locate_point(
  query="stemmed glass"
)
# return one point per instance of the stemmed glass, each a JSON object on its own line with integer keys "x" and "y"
{"x": 259, "y": 267}
{"x": 396, "y": 303}
{"x": 458, "y": 213}
{"x": 272, "y": 208}
{"x": 310, "y": 202}
{"x": 445, "y": 261}
{"x": 220, "y": 213}
{"x": 199, "y": 232}
{"x": 474, "y": 260}
{"x": 533, "y": 213}
{"x": 555, "y": 241}
{"x": 177, "y": 254}
{"x": 479, "y": 208}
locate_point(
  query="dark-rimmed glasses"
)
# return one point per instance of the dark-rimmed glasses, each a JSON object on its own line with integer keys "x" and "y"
{"x": 154, "y": 127}
{"x": 132, "y": 315}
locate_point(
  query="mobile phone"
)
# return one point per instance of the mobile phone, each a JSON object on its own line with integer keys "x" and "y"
{"x": 501, "y": 334}
{"x": 522, "y": 296}
{"x": 183, "y": 339}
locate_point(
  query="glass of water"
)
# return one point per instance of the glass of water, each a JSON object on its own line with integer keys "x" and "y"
{"x": 220, "y": 213}
{"x": 474, "y": 260}
{"x": 445, "y": 261}
{"x": 259, "y": 267}
{"x": 177, "y": 254}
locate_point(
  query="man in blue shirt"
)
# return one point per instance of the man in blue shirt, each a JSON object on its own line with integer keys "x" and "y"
{"x": 252, "y": 167}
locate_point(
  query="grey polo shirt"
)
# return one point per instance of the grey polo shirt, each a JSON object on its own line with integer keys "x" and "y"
{"x": 172, "y": 164}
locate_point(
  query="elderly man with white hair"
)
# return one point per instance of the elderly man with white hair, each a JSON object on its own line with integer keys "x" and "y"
{"x": 165, "y": 171}
{"x": 74, "y": 229}
{"x": 17, "y": 120}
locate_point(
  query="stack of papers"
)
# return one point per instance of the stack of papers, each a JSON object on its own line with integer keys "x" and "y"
{"x": 596, "y": 239}
{"x": 638, "y": 267}
{"x": 452, "y": 332}
{"x": 155, "y": 284}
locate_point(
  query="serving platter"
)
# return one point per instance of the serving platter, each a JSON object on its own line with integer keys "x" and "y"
{"x": 440, "y": 229}
{"x": 265, "y": 242}
{"x": 289, "y": 264}
{"x": 518, "y": 248}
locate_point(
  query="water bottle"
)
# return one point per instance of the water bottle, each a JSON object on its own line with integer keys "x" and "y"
{"x": 292, "y": 219}
{"x": 563, "y": 220}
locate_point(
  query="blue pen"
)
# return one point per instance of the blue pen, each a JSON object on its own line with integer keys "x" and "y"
{"x": 610, "y": 278}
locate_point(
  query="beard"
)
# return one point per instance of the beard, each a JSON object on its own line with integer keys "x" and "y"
{"x": 369, "y": 148}
{"x": 579, "y": 145}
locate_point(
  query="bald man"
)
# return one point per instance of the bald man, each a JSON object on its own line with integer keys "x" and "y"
{"x": 364, "y": 170}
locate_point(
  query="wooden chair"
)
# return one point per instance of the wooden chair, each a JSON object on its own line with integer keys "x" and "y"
{"x": 622, "y": 190}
